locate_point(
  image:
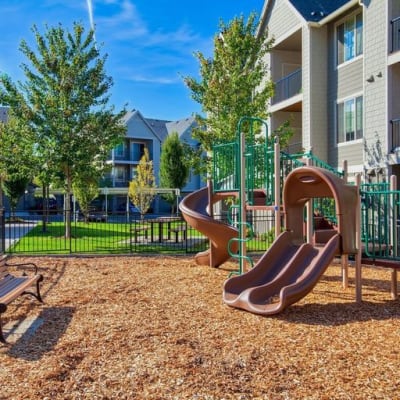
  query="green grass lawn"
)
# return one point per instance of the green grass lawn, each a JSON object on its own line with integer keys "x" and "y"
{"x": 93, "y": 237}
{"x": 86, "y": 237}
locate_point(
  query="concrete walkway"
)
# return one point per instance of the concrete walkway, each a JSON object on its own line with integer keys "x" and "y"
{"x": 14, "y": 231}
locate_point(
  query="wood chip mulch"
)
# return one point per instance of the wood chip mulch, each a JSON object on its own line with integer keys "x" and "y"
{"x": 157, "y": 328}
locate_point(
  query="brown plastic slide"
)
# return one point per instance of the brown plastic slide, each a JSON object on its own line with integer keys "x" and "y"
{"x": 194, "y": 209}
{"x": 284, "y": 275}
{"x": 291, "y": 268}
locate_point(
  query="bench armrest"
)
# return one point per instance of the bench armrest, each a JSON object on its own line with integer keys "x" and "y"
{"x": 29, "y": 265}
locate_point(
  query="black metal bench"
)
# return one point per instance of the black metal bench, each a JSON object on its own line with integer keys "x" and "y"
{"x": 13, "y": 286}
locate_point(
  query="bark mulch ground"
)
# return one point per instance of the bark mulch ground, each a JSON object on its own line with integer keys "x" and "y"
{"x": 156, "y": 328}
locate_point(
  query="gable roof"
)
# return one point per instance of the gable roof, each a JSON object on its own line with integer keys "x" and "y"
{"x": 159, "y": 127}
{"x": 162, "y": 128}
{"x": 180, "y": 126}
{"x": 156, "y": 126}
{"x": 316, "y": 10}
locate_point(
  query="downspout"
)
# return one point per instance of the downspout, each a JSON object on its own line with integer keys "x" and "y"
{"x": 360, "y": 2}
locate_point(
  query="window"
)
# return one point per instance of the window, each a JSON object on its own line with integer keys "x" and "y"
{"x": 349, "y": 38}
{"x": 137, "y": 151}
{"x": 119, "y": 174}
{"x": 133, "y": 173}
{"x": 119, "y": 150}
{"x": 350, "y": 120}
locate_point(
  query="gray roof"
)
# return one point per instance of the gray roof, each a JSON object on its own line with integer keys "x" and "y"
{"x": 128, "y": 115}
{"x": 315, "y": 10}
{"x": 162, "y": 128}
{"x": 180, "y": 126}
{"x": 159, "y": 127}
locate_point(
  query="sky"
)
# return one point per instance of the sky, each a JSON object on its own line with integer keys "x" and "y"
{"x": 149, "y": 44}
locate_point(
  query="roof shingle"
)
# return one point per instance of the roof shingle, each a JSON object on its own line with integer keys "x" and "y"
{"x": 315, "y": 10}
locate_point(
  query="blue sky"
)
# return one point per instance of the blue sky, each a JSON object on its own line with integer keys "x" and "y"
{"x": 150, "y": 44}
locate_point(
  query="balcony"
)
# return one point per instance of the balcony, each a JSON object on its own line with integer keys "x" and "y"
{"x": 287, "y": 87}
{"x": 395, "y": 34}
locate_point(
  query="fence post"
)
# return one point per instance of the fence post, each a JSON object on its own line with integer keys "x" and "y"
{"x": 394, "y": 243}
{"x": 393, "y": 208}
{"x": 277, "y": 188}
{"x": 358, "y": 267}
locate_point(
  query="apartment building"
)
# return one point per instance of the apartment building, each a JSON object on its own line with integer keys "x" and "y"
{"x": 146, "y": 133}
{"x": 336, "y": 67}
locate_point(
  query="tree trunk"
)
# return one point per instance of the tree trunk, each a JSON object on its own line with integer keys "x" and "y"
{"x": 67, "y": 207}
{"x": 44, "y": 218}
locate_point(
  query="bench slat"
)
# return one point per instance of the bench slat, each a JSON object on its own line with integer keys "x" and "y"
{"x": 3, "y": 272}
{"x": 15, "y": 287}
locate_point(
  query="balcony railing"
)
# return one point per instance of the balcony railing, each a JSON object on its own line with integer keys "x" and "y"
{"x": 395, "y": 133}
{"x": 395, "y": 34}
{"x": 287, "y": 87}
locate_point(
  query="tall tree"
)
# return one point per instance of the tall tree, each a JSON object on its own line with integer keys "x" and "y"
{"x": 233, "y": 82}
{"x": 174, "y": 170}
{"x": 65, "y": 101}
{"x": 141, "y": 188}
{"x": 17, "y": 161}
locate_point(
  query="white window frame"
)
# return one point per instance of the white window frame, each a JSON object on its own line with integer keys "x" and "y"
{"x": 350, "y": 101}
{"x": 357, "y": 39}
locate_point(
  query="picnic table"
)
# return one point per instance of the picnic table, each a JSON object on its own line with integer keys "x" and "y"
{"x": 161, "y": 222}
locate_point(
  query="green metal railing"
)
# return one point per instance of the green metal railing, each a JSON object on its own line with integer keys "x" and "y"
{"x": 380, "y": 207}
{"x": 225, "y": 167}
{"x": 380, "y": 223}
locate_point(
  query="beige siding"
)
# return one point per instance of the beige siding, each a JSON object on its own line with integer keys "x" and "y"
{"x": 352, "y": 153}
{"x": 375, "y": 53}
{"x": 350, "y": 79}
{"x": 283, "y": 19}
{"x": 344, "y": 81}
{"x": 318, "y": 92}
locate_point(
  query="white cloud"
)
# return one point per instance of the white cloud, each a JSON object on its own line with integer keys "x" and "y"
{"x": 152, "y": 79}
{"x": 122, "y": 22}
{"x": 140, "y": 53}
{"x": 118, "y": 16}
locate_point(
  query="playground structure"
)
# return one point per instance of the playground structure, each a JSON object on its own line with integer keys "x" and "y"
{"x": 291, "y": 268}
{"x": 255, "y": 174}
{"x": 197, "y": 210}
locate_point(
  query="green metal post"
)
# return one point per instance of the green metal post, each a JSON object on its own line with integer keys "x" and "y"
{"x": 242, "y": 203}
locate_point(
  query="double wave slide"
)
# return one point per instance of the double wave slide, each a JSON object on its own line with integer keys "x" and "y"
{"x": 194, "y": 208}
{"x": 284, "y": 274}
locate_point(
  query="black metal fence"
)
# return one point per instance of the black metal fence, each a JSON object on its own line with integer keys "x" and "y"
{"x": 118, "y": 233}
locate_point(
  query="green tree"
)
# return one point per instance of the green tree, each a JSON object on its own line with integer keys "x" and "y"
{"x": 233, "y": 82}
{"x": 65, "y": 101}
{"x": 14, "y": 187}
{"x": 17, "y": 161}
{"x": 86, "y": 189}
{"x": 141, "y": 188}
{"x": 174, "y": 170}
